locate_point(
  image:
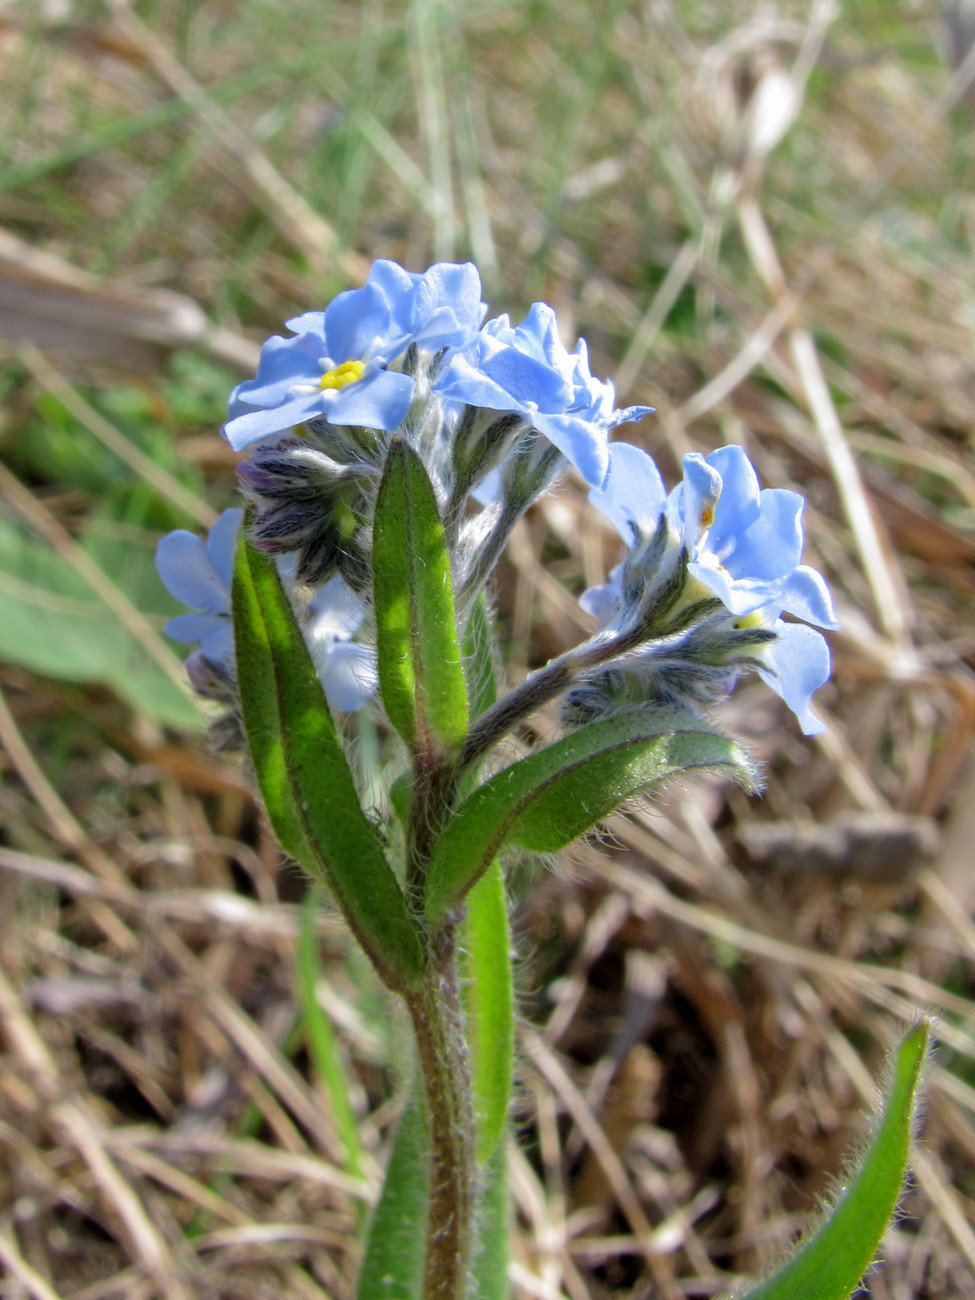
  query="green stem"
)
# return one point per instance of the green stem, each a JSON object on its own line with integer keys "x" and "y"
{"x": 438, "y": 1024}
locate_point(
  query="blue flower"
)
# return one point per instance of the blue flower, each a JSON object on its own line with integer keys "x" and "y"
{"x": 526, "y": 369}
{"x": 335, "y": 366}
{"x": 348, "y": 671}
{"x": 199, "y": 575}
{"x": 743, "y": 546}
{"x": 745, "y": 543}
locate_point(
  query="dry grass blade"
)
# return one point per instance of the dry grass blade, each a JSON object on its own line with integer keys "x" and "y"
{"x": 763, "y": 223}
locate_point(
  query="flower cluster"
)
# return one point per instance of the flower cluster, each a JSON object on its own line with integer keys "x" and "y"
{"x": 721, "y": 546}
{"x": 495, "y": 411}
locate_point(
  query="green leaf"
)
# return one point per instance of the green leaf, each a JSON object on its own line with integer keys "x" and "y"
{"x": 548, "y": 799}
{"x": 488, "y": 1006}
{"x": 396, "y": 1245}
{"x": 53, "y": 622}
{"x": 490, "y": 1263}
{"x": 303, "y": 773}
{"x": 420, "y": 673}
{"x": 831, "y": 1263}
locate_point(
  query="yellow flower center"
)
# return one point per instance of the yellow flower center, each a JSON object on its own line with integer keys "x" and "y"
{"x": 349, "y": 372}
{"x": 707, "y": 516}
{"x": 748, "y": 620}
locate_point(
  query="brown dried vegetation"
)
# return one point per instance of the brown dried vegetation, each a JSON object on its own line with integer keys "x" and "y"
{"x": 707, "y": 994}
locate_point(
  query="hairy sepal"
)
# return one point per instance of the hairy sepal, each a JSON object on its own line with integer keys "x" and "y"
{"x": 421, "y": 677}
{"x": 545, "y": 801}
{"x": 303, "y": 774}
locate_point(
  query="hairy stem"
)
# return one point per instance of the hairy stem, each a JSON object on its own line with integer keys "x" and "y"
{"x": 438, "y": 1024}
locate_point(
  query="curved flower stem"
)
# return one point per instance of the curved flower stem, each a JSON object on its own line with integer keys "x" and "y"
{"x": 541, "y": 686}
{"x": 438, "y": 1024}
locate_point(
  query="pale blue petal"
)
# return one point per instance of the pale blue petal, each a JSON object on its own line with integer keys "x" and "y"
{"x": 192, "y": 627}
{"x": 806, "y": 595}
{"x": 448, "y": 305}
{"x": 739, "y": 502}
{"x": 349, "y": 676}
{"x": 222, "y": 543}
{"x": 630, "y": 414}
{"x": 583, "y": 444}
{"x": 188, "y": 573}
{"x": 632, "y": 492}
{"x": 251, "y": 426}
{"x": 335, "y": 611}
{"x": 309, "y": 322}
{"x": 795, "y": 665}
{"x": 693, "y": 503}
{"x": 771, "y": 546}
{"x": 358, "y": 327}
{"x": 377, "y": 401}
{"x": 604, "y": 603}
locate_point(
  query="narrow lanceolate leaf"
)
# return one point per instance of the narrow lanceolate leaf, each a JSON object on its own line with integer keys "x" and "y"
{"x": 831, "y": 1263}
{"x": 548, "y": 799}
{"x": 420, "y": 673}
{"x": 489, "y": 1266}
{"x": 396, "y": 1246}
{"x": 304, "y": 776}
{"x": 488, "y": 1007}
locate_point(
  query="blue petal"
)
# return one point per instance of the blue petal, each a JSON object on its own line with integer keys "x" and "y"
{"x": 359, "y": 327}
{"x": 582, "y": 443}
{"x": 188, "y": 573}
{"x": 795, "y": 665}
{"x": 770, "y": 546}
{"x": 309, "y": 322}
{"x": 252, "y": 426}
{"x": 693, "y": 503}
{"x": 377, "y": 401}
{"x": 193, "y": 627}
{"x": 806, "y": 595}
{"x": 448, "y": 305}
{"x": 604, "y": 603}
{"x": 335, "y": 611}
{"x": 633, "y": 492}
{"x": 738, "y": 506}
{"x": 222, "y": 543}
{"x": 630, "y": 415}
{"x": 283, "y": 364}
{"x": 348, "y": 675}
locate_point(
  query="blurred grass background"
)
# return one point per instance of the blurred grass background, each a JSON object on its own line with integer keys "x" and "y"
{"x": 762, "y": 218}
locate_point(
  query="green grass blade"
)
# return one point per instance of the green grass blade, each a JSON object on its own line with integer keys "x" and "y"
{"x": 420, "y": 671}
{"x": 321, "y": 1041}
{"x": 396, "y": 1245}
{"x": 548, "y": 799}
{"x": 304, "y": 775}
{"x": 119, "y": 132}
{"x": 831, "y": 1263}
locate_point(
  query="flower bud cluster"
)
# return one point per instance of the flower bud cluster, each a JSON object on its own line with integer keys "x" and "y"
{"x": 496, "y": 413}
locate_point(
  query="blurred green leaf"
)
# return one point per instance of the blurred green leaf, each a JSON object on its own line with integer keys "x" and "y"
{"x": 303, "y": 772}
{"x": 831, "y": 1263}
{"x": 420, "y": 671}
{"x": 53, "y": 623}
